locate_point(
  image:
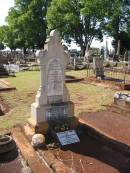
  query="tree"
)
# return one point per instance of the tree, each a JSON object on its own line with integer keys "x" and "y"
{"x": 124, "y": 38}
{"x": 77, "y": 20}
{"x": 27, "y": 22}
{"x": 117, "y": 18}
{"x": 7, "y": 36}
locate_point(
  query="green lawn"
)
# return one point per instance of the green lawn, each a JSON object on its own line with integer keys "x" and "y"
{"x": 85, "y": 96}
{"x": 20, "y": 100}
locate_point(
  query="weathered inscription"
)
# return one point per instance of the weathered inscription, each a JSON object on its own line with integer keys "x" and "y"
{"x": 56, "y": 112}
{"x": 55, "y": 78}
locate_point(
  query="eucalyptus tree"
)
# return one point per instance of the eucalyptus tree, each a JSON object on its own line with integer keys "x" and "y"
{"x": 27, "y": 20}
{"x": 77, "y": 20}
{"x": 118, "y": 16}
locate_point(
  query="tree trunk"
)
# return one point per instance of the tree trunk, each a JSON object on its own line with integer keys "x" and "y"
{"x": 83, "y": 49}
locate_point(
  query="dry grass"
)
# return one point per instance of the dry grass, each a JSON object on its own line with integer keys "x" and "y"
{"x": 90, "y": 98}
{"x": 77, "y": 74}
{"x": 85, "y": 96}
{"x": 20, "y": 100}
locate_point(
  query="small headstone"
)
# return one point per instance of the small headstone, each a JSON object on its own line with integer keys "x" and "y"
{"x": 98, "y": 67}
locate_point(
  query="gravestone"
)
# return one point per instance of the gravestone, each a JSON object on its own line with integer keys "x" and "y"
{"x": 52, "y": 104}
{"x": 98, "y": 67}
{"x": 129, "y": 60}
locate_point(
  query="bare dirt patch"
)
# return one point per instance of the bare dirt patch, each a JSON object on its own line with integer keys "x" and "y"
{"x": 111, "y": 83}
{"x": 6, "y": 86}
{"x": 114, "y": 124}
{"x": 92, "y": 156}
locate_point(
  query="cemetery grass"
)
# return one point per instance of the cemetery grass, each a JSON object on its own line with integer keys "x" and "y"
{"x": 87, "y": 97}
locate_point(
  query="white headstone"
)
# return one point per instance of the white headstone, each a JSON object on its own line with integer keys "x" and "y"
{"x": 53, "y": 61}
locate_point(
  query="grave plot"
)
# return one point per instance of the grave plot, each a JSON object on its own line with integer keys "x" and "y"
{"x": 6, "y": 86}
{"x": 90, "y": 154}
{"x": 112, "y": 77}
{"x": 55, "y": 132}
{"x": 72, "y": 79}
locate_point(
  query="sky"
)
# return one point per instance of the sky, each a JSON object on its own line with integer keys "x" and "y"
{"x": 96, "y": 44}
{"x": 4, "y": 8}
{"x": 6, "y": 4}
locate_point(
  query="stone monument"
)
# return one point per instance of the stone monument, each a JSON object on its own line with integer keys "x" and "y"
{"x": 98, "y": 67}
{"x": 52, "y": 103}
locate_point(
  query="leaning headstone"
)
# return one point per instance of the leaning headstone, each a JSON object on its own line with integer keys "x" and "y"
{"x": 98, "y": 67}
{"x": 129, "y": 60}
{"x": 52, "y": 105}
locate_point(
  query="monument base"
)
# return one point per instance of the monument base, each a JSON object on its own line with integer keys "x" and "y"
{"x": 41, "y": 113}
{"x": 43, "y": 127}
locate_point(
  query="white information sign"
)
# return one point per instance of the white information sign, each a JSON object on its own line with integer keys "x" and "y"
{"x": 68, "y": 137}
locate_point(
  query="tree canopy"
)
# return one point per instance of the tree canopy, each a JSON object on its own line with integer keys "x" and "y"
{"x": 27, "y": 23}
{"x": 118, "y": 17}
{"x": 83, "y": 20}
{"x": 76, "y": 21}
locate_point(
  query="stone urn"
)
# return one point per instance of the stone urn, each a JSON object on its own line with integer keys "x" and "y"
{"x": 6, "y": 144}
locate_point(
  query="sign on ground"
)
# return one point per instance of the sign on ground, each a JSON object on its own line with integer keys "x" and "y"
{"x": 68, "y": 137}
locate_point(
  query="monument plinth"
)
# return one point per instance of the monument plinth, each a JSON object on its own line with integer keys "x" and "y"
{"x": 52, "y": 103}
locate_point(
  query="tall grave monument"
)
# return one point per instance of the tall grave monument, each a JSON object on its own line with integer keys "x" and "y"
{"x": 52, "y": 104}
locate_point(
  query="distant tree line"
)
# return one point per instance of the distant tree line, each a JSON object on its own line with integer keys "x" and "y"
{"x": 29, "y": 21}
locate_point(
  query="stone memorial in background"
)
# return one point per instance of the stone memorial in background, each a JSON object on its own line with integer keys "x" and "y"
{"x": 129, "y": 60}
{"x": 98, "y": 67}
{"x": 52, "y": 104}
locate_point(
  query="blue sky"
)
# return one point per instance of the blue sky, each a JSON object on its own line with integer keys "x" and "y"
{"x": 6, "y": 4}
